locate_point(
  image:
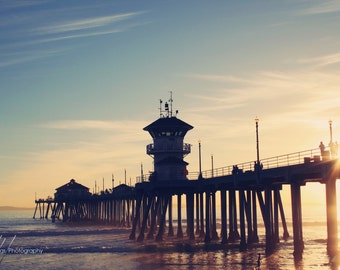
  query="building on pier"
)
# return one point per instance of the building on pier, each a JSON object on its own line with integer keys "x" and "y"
{"x": 70, "y": 201}
{"x": 168, "y": 149}
{"x": 71, "y": 190}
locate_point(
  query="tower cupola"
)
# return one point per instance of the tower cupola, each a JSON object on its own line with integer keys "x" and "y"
{"x": 168, "y": 148}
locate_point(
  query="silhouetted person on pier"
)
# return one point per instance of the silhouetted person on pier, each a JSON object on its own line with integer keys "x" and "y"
{"x": 322, "y": 148}
{"x": 258, "y": 166}
{"x": 235, "y": 169}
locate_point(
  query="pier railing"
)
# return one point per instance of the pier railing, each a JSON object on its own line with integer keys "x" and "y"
{"x": 267, "y": 163}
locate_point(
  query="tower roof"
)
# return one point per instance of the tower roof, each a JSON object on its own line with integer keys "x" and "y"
{"x": 168, "y": 124}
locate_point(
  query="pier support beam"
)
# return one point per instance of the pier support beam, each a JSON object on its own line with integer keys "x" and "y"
{"x": 243, "y": 243}
{"x": 154, "y": 212}
{"x": 207, "y": 217}
{"x": 276, "y": 216}
{"x": 179, "y": 216}
{"x": 248, "y": 211}
{"x": 190, "y": 216}
{"x": 197, "y": 207}
{"x": 283, "y": 218}
{"x": 171, "y": 229}
{"x": 224, "y": 233}
{"x": 332, "y": 224}
{"x": 269, "y": 223}
{"x": 255, "y": 231}
{"x": 202, "y": 233}
{"x": 150, "y": 200}
{"x": 297, "y": 219}
{"x": 165, "y": 202}
{"x": 214, "y": 235}
{"x": 233, "y": 232}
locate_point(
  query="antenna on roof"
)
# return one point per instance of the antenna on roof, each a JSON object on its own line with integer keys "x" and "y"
{"x": 160, "y": 108}
{"x": 167, "y": 112}
{"x": 166, "y": 108}
{"x": 171, "y": 100}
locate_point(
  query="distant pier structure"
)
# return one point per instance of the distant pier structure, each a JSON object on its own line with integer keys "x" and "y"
{"x": 73, "y": 202}
{"x": 170, "y": 202}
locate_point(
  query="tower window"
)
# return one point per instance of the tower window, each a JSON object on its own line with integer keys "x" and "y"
{"x": 170, "y": 133}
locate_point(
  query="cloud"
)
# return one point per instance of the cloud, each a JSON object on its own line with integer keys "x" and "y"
{"x": 85, "y": 24}
{"x": 324, "y": 7}
{"x": 23, "y": 35}
{"x": 43, "y": 171}
{"x": 86, "y": 150}
{"x": 92, "y": 124}
{"x": 259, "y": 86}
{"x": 83, "y": 35}
{"x": 214, "y": 77}
{"x": 5, "y": 4}
{"x": 28, "y": 56}
{"x": 88, "y": 132}
{"x": 88, "y": 34}
{"x": 284, "y": 95}
{"x": 323, "y": 61}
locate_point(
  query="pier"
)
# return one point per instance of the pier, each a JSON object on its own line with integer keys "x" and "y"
{"x": 244, "y": 192}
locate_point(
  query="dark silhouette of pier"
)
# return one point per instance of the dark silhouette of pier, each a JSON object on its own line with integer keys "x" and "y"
{"x": 73, "y": 203}
{"x": 246, "y": 191}
{"x": 252, "y": 188}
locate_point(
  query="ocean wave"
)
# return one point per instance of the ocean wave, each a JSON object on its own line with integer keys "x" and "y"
{"x": 84, "y": 249}
{"x": 42, "y": 233}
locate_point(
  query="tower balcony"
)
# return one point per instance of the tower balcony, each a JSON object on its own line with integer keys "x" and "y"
{"x": 165, "y": 148}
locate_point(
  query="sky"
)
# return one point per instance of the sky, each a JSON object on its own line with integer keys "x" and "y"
{"x": 81, "y": 79}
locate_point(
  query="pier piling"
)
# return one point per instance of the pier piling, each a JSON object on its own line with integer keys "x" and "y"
{"x": 331, "y": 210}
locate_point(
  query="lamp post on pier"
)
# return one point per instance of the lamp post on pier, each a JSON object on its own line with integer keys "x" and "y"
{"x": 257, "y": 141}
{"x": 199, "y": 159}
{"x": 330, "y": 131}
{"x": 333, "y": 147}
{"x": 212, "y": 165}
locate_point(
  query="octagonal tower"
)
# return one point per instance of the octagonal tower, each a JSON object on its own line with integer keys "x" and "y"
{"x": 168, "y": 148}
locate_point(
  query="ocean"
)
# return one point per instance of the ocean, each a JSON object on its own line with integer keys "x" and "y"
{"x": 40, "y": 244}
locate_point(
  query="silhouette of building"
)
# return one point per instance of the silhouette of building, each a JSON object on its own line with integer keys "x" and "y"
{"x": 71, "y": 190}
{"x": 168, "y": 148}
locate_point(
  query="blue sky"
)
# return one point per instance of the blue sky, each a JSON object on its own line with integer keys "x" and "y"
{"x": 80, "y": 80}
